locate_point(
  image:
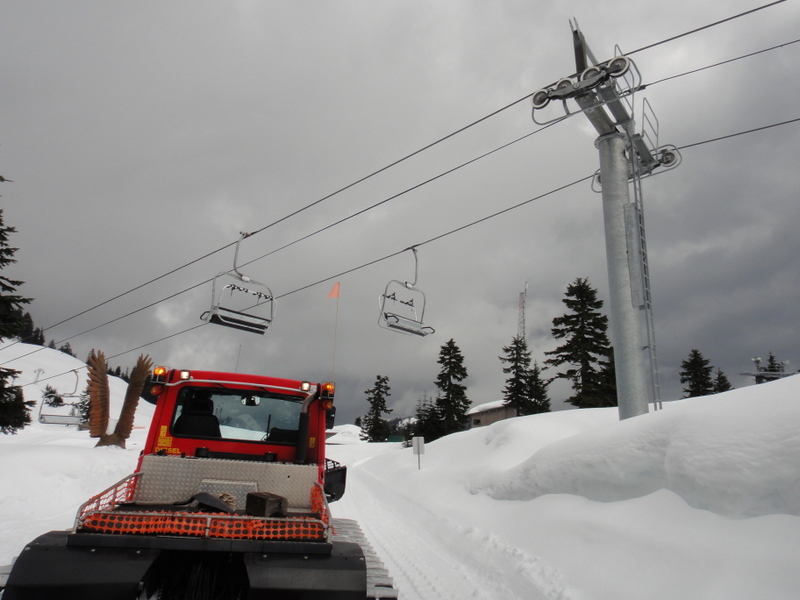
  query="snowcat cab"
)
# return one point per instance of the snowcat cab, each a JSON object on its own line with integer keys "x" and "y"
{"x": 402, "y": 306}
{"x": 229, "y": 500}
{"x": 241, "y": 302}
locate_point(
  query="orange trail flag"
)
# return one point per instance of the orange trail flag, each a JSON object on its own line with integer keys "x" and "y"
{"x": 334, "y": 293}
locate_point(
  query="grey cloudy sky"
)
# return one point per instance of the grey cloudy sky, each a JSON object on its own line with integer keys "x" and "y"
{"x": 143, "y": 135}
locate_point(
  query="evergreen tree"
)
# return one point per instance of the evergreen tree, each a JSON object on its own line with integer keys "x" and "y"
{"x": 66, "y": 349}
{"x": 51, "y": 397}
{"x": 525, "y": 390}
{"x": 585, "y": 351}
{"x": 375, "y": 427}
{"x": 452, "y": 402}
{"x": 84, "y": 406}
{"x": 29, "y": 333}
{"x": 696, "y": 372}
{"x": 11, "y": 318}
{"x": 429, "y": 422}
{"x": 517, "y": 359}
{"x": 14, "y": 410}
{"x": 537, "y": 391}
{"x": 37, "y": 338}
{"x": 720, "y": 383}
{"x": 27, "y": 330}
{"x": 607, "y": 389}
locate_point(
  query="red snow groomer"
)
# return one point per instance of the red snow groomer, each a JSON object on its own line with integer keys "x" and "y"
{"x": 229, "y": 500}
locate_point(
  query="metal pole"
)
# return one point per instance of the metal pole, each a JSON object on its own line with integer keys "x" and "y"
{"x": 625, "y": 319}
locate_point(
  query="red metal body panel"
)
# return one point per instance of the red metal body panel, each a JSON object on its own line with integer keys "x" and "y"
{"x": 161, "y": 437}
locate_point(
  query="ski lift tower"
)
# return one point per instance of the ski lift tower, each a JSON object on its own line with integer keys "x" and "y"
{"x": 604, "y": 93}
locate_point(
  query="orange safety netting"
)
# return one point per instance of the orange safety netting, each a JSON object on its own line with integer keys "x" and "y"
{"x": 295, "y": 529}
{"x": 319, "y": 504}
{"x": 208, "y": 525}
{"x": 118, "y": 493}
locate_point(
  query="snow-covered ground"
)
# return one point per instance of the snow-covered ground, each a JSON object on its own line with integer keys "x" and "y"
{"x": 698, "y": 501}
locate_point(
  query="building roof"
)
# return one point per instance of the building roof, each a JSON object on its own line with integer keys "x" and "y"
{"x": 486, "y": 406}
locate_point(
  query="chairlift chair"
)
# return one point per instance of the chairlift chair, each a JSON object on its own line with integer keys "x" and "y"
{"x": 57, "y": 418}
{"x": 242, "y": 302}
{"x": 402, "y": 306}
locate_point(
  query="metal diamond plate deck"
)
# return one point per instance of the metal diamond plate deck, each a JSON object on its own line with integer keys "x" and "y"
{"x": 167, "y": 479}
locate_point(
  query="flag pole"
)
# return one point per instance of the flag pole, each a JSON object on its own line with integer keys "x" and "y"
{"x": 334, "y": 293}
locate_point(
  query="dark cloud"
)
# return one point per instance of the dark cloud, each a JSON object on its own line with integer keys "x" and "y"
{"x": 143, "y": 136}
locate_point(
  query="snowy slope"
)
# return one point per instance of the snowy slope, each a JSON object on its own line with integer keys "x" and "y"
{"x": 698, "y": 501}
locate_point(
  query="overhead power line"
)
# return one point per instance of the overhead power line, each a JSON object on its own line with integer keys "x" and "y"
{"x": 719, "y": 64}
{"x": 732, "y": 135}
{"x": 704, "y": 27}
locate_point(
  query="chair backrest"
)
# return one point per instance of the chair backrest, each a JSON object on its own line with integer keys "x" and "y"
{"x": 198, "y": 419}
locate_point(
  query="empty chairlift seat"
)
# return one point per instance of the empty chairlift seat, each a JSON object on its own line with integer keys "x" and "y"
{"x": 248, "y": 309}
{"x": 242, "y": 302}
{"x": 402, "y": 307}
{"x": 406, "y": 325}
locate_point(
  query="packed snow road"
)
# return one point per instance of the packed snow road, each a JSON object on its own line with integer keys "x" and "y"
{"x": 431, "y": 557}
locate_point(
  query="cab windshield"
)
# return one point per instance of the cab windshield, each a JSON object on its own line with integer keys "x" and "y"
{"x": 246, "y": 415}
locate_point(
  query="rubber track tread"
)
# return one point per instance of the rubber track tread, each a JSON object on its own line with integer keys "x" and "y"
{"x": 379, "y": 583}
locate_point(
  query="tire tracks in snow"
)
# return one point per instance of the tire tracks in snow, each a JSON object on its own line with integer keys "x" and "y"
{"x": 433, "y": 558}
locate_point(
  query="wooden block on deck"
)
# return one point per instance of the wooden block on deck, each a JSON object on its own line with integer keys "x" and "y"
{"x": 266, "y": 504}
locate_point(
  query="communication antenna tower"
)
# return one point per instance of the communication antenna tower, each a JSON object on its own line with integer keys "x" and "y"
{"x": 521, "y": 319}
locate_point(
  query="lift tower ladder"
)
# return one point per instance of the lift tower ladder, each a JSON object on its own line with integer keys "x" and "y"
{"x": 636, "y": 235}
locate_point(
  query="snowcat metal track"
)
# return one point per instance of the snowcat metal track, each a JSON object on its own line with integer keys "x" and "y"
{"x": 47, "y": 568}
{"x": 379, "y": 583}
{"x": 52, "y": 566}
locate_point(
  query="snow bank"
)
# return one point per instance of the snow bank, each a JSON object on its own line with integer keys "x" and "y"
{"x": 345, "y": 434}
{"x": 734, "y": 454}
{"x": 698, "y": 501}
